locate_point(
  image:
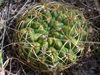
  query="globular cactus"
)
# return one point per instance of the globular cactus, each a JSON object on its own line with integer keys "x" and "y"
{"x": 51, "y": 34}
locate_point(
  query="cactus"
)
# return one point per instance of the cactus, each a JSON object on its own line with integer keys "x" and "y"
{"x": 51, "y": 34}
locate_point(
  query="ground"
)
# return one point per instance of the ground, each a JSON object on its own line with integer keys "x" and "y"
{"x": 9, "y": 12}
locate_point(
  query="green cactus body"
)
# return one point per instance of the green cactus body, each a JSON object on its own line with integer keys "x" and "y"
{"x": 52, "y": 55}
{"x": 58, "y": 44}
{"x": 34, "y": 37}
{"x": 27, "y": 32}
{"x": 36, "y": 47}
{"x": 62, "y": 54}
{"x": 50, "y": 41}
{"x": 53, "y": 33}
{"x": 43, "y": 31}
{"x": 35, "y": 25}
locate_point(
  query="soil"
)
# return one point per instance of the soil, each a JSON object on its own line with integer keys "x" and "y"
{"x": 10, "y": 11}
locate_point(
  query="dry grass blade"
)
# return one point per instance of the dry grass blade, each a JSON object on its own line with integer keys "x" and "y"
{"x": 50, "y": 54}
{"x": 97, "y": 5}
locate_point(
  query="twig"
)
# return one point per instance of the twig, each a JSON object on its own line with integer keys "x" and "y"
{"x": 97, "y": 5}
{"x": 19, "y": 12}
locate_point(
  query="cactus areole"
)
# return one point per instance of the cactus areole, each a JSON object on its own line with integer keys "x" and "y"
{"x": 51, "y": 36}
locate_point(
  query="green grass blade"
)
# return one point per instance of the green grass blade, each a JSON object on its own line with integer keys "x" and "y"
{"x": 0, "y": 2}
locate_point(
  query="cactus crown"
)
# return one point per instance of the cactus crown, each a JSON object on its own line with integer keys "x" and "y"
{"x": 51, "y": 35}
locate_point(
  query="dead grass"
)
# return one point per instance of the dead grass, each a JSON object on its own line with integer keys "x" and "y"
{"x": 14, "y": 66}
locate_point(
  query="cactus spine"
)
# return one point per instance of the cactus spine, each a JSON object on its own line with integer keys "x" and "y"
{"x": 52, "y": 34}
